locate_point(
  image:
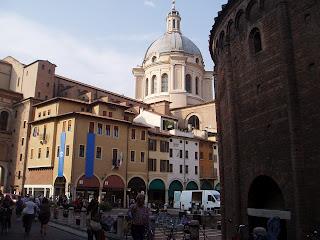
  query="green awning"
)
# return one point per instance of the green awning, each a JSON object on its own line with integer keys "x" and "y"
{"x": 157, "y": 184}
{"x": 206, "y": 186}
{"x": 192, "y": 186}
{"x": 174, "y": 186}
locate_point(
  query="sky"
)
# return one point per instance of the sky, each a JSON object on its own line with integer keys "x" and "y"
{"x": 98, "y": 42}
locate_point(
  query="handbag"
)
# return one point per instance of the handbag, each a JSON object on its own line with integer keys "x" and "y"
{"x": 95, "y": 226}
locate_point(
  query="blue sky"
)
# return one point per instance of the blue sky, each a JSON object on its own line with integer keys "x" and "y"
{"x": 98, "y": 41}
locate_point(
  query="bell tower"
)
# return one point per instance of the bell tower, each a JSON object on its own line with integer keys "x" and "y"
{"x": 173, "y": 19}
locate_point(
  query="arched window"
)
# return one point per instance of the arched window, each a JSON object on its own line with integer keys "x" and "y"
{"x": 221, "y": 40}
{"x": 4, "y": 116}
{"x": 197, "y": 85}
{"x": 154, "y": 84}
{"x": 174, "y": 23}
{"x": 188, "y": 83}
{"x": 164, "y": 83}
{"x": 240, "y": 21}
{"x": 255, "y": 39}
{"x": 194, "y": 122}
{"x": 154, "y": 58}
{"x": 147, "y": 87}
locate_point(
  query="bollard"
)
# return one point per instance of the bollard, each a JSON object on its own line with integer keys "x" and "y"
{"x": 71, "y": 216}
{"x": 120, "y": 226}
{"x": 194, "y": 229}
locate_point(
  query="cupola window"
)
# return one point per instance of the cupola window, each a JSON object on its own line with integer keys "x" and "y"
{"x": 164, "y": 83}
{"x": 147, "y": 87}
{"x": 154, "y": 84}
{"x": 197, "y": 85}
{"x": 154, "y": 58}
{"x": 255, "y": 40}
{"x": 4, "y": 117}
{"x": 188, "y": 83}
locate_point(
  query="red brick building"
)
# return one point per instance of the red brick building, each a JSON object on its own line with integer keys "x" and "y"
{"x": 266, "y": 55}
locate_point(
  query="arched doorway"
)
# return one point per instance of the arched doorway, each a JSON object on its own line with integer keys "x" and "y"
{"x": 88, "y": 188}
{"x": 206, "y": 185}
{"x": 174, "y": 186}
{"x": 194, "y": 122}
{"x": 265, "y": 200}
{"x": 135, "y": 186}
{"x": 113, "y": 190}
{"x": 192, "y": 186}
{"x": 156, "y": 193}
{"x": 60, "y": 186}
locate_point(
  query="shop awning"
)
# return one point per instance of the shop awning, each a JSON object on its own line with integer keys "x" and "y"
{"x": 192, "y": 186}
{"x": 88, "y": 183}
{"x": 206, "y": 186}
{"x": 114, "y": 182}
{"x": 157, "y": 184}
{"x": 174, "y": 186}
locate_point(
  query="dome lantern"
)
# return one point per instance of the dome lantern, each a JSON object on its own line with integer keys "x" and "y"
{"x": 173, "y": 19}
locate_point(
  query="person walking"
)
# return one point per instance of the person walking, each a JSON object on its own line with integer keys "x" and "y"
{"x": 8, "y": 206}
{"x": 29, "y": 213}
{"x": 94, "y": 227}
{"x": 139, "y": 215}
{"x": 19, "y": 207}
{"x": 44, "y": 215}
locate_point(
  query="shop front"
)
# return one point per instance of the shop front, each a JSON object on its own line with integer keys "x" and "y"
{"x": 157, "y": 192}
{"x": 88, "y": 187}
{"x": 113, "y": 191}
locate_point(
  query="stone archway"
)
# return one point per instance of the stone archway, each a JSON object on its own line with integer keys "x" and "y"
{"x": 136, "y": 185}
{"x": 175, "y": 185}
{"x": 265, "y": 201}
{"x": 60, "y": 186}
{"x": 157, "y": 192}
{"x": 192, "y": 185}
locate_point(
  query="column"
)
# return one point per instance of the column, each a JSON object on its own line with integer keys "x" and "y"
{"x": 32, "y": 191}
{"x": 183, "y": 82}
{"x": 172, "y": 78}
{"x": 166, "y": 197}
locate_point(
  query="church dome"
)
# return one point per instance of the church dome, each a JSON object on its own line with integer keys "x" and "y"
{"x": 172, "y": 42}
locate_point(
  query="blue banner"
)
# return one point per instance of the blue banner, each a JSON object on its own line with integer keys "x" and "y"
{"x": 90, "y": 155}
{"x": 61, "y": 154}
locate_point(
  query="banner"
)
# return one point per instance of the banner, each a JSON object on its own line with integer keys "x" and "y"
{"x": 89, "y": 171}
{"x": 61, "y": 154}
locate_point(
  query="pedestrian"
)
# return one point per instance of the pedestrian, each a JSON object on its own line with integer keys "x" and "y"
{"x": 19, "y": 207}
{"x": 7, "y": 204}
{"x": 139, "y": 215}
{"x": 44, "y": 215}
{"x": 28, "y": 214}
{"x": 94, "y": 227}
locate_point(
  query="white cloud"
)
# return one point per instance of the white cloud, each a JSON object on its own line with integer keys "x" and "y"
{"x": 149, "y": 3}
{"x": 103, "y": 67}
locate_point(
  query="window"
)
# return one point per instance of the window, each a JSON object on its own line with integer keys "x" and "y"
{"x": 210, "y": 156}
{"x": 146, "y": 87}
{"x": 164, "y": 83}
{"x": 116, "y": 131}
{"x": 114, "y": 157}
{"x": 44, "y": 132}
{"x": 152, "y": 165}
{"x": 49, "y": 112}
{"x": 196, "y": 155}
{"x": 186, "y": 142}
{"x": 255, "y": 40}
{"x": 201, "y": 155}
{"x": 44, "y": 113}
{"x": 47, "y": 152}
{"x": 98, "y": 153}
{"x": 164, "y": 146}
{"x": 49, "y": 71}
{"x": 187, "y": 169}
{"x": 154, "y": 84}
{"x": 108, "y": 130}
{"x": 194, "y": 122}
{"x": 19, "y": 175}
{"x": 39, "y": 153}
{"x": 174, "y": 23}
{"x": 24, "y": 124}
{"x": 154, "y": 58}
{"x": 48, "y": 84}
{"x": 187, "y": 154}
{"x": 42, "y": 66}
{"x": 152, "y": 145}
{"x": 99, "y": 130}
{"x": 180, "y": 154}
{"x": 215, "y": 157}
{"x": 170, "y": 152}
{"x": 4, "y": 117}
{"x": 81, "y": 150}
{"x": 58, "y": 151}
{"x": 63, "y": 126}
{"x": 20, "y": 158}
{"x": 142, "y": 155}
{"x": 39, "y": 114}
{"x": 67, "y": 150}
{"x": 133, "y": 134}
{"x": 188, "y": 83}
{"x": 91, "y": 127}
{"x": 18, "y": 82}
{"x": 170, "y": 168}
{"x": 39, "y": 94}
{"x": 110, "y": 114}
{"x": 143, "y": 135}
{"x": 197, "y": 85}
{"x": 69, "y": 125}
{"x": 22, "y": 141}
{"x": 210, "y": 198}
{"x": 181, "y": 169}
{"x": 196, "y": 170}
{"x": 164, "y": 166}
{"x": 31, "y": 153}
{"x": 132, "y": 156}
{"x": 104, "y": 113}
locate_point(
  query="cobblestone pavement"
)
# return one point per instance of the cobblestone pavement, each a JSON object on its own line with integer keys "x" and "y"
{"x": 17, "y": 233}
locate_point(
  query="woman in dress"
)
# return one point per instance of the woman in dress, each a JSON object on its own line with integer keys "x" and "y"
{"x": 44, "y": 215}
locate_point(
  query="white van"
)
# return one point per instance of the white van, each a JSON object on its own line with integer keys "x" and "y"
{"x": 208, "y": 200}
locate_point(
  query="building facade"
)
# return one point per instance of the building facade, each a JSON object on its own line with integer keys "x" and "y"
{"x": 266, "y": 56}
